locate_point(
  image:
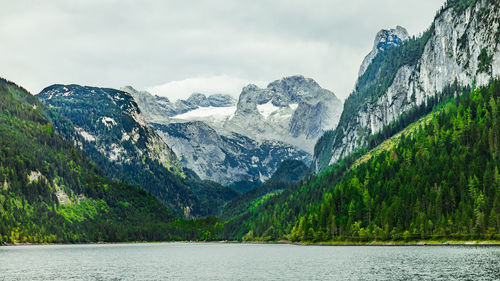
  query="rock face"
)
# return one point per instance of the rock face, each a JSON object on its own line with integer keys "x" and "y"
{"x": 108, "y": 126}
{"x": 383, "y": 40}
{"x": 294, "y": 110}
{"x": 225, "y": 158}
{"x": 246, "y": 142}
{"x": 462, "y": 45}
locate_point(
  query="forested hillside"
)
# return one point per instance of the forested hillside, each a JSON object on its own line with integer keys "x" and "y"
{"x": 49, "y": 192}
{"x": 108, "y": 127}
{"x": 288, "y": 173}
{"x": 440, "y": 181}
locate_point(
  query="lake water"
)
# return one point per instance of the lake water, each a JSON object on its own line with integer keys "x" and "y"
{"x": 213, "y": 261}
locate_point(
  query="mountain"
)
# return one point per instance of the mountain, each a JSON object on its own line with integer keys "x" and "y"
{"x": 110, "y": 122}
{"x": 108, "y": 126}
{"x": 294, "y": 110}
{"x": 212, "y": 152}
{"x": 225, "y": 158}
{"x": 438, "y": 179}
{"x": 247, "y": 142}
{"x": 51, "y": 193}
{"x": 461, "y": 47}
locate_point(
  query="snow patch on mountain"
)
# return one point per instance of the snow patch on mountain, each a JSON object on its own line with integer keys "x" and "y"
{"x": 267, "y": 109}
{"x": 219, "y": 113}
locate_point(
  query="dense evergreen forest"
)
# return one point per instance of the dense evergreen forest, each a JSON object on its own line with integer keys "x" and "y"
{"x": 49, "y": 192}
{"x": 440, "y": 182}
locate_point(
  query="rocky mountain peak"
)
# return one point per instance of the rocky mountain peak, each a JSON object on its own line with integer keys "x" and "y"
{"x": 292, "y": 84}
{"x": 113, "y": 117}
{"x": 384, "y": 39}
{"x": 294, "y": 109}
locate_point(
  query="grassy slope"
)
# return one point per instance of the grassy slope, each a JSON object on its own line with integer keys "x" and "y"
{"x": 393, "y": 141}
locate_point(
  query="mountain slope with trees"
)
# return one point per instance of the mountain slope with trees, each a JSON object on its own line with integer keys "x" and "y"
{"x": 441, "y": 181}
{"x": 461, "y": 46}
{"x": 50, "y": 192}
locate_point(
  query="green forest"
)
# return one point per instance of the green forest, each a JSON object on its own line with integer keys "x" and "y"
{"x": 440, "y": 182}
{"x": 50, "y": 192}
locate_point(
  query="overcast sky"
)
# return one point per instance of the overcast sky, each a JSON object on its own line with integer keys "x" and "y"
{"x": 174, "y": 48}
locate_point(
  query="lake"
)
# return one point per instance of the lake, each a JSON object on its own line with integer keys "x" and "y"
{"x": 216, "y": 261}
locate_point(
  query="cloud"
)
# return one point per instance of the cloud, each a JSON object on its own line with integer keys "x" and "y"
{"x": 112, "y": 43}
{"x": 182, "y": 89}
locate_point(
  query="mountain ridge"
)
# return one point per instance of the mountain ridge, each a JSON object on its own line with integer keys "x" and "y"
{"x": 461, "y": 45}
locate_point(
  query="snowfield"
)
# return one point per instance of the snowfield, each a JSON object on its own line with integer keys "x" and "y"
{"x": 207, "y": 112}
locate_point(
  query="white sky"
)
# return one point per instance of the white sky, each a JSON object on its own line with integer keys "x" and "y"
{"x": 174, "y": 48}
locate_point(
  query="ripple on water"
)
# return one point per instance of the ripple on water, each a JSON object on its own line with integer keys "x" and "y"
{"x": 214, "y": 261}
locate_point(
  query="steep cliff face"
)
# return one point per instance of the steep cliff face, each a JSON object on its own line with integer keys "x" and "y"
{"x": 461, "y": 45}
{"x": 225, "y": 158}
{"x": 294, "y": 110}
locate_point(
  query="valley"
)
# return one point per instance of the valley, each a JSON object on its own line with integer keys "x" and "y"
{"x": 411, "y": 155}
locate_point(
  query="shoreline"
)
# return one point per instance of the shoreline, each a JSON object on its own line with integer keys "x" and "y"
{"x": 284, "y": 242}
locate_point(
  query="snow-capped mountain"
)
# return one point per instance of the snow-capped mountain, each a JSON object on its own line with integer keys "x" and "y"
{"x": 161, "y": 109}
{"x": 294, "y": 110}
{"x": 228, "y": 142}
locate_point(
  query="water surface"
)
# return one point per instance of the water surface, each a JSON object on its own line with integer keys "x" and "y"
{"x": 213, "y": 261}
